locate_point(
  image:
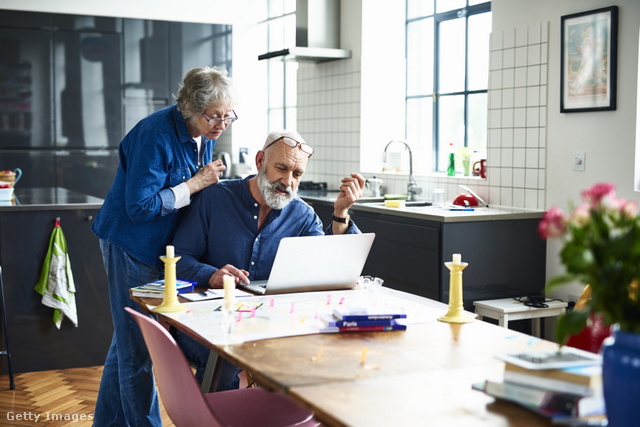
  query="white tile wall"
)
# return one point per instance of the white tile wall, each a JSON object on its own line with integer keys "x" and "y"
{"x": 329, "y": 118}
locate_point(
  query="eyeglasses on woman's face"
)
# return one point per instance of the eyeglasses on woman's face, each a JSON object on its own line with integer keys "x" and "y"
{"x": 217, "y": 120}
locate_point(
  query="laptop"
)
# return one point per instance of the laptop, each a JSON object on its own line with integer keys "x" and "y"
{"x": 315, "y": 263}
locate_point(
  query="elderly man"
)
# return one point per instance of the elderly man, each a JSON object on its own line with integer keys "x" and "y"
{"x": 234, "y": 227}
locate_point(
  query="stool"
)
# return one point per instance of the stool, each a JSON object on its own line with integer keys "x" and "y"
{"x": 5, "y": 327}
{"x": 506, "y": 309}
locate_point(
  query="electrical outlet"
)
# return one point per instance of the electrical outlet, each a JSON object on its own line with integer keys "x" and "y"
{"x": 578, "y": 161}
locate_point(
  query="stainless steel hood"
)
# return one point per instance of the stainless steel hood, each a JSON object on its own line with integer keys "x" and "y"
{"x": 317, "y": 34}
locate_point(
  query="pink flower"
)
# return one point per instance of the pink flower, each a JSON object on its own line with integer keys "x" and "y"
{"x": 628, "y": 209}
{"x": 595, "y": 195}
{"x": 580, "y": 216}
{"x": 553, "y": 223}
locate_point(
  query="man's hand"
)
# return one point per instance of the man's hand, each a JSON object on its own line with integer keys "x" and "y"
{"x": 215, "y": 281}
{"x": 351, "y": 190}
{"x": 208, "y": 175}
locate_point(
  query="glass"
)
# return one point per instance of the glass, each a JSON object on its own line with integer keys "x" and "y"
{"x": 420, "y": 57}
{"x": 305, "y": 148}
{"x": 452, "y": 56}
{"x": 438, "y": 198}
{"x": 451, "y": 127}
{"x": 417, "y": 8}
{"x": 217, "y": 120}
{"x": 478, "y": 61}
{"x": 445, "y": 5}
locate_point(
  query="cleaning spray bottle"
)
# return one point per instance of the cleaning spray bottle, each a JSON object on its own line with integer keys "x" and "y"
{"x": 451, "y": 170}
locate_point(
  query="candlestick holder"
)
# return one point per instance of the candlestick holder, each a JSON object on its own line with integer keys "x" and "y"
{"x": 456, "y": 313}
{"x": 170, "y": 303}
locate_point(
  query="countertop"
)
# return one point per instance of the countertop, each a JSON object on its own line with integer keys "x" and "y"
{"x": 57, "y": 198}
{"x": 490, "y": 213}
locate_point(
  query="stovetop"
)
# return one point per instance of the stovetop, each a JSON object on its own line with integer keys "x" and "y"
{"x": 310, "y": 185}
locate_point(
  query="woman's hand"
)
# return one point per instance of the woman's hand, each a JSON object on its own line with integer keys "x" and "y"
{"x": 208, "y": 175}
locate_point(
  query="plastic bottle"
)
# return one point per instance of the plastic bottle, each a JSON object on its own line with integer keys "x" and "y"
{"x": 451, "y": 170}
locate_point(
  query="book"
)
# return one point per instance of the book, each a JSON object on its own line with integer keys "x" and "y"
{"x": 359, "y": 314}
{"x": 584, "y": 380}
{"x": 156, "y": 289}
{"x": 332, "y": 321}
{"x": 397, "y": 327}
{"x": 549, "y": 403}
{"x": 562, "y": 357}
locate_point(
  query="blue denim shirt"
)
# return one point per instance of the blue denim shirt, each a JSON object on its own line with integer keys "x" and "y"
{"x": 220, "y": 227}
{"x": 138, "y": 214}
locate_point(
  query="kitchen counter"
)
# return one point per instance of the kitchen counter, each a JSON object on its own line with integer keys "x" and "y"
{"x": 56, "y": 198}
{"x": 426, "y": 212}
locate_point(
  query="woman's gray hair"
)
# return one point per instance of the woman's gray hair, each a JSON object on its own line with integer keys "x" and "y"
{"x": 202, "y": 87}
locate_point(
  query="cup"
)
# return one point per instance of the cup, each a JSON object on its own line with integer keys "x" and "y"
{"x": 438, "y": 198}
{"x": 480, "y": 168}
{"x": 11, "y": 176}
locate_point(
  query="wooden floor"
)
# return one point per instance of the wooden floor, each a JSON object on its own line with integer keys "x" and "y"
{"x": 67, "y": 393}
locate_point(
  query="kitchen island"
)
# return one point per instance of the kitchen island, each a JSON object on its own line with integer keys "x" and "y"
{"x": 505, "y": 254}
{"x": 26, "y": 224}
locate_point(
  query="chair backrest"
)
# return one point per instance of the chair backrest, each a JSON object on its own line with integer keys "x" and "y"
{"x": 181, "y": 395}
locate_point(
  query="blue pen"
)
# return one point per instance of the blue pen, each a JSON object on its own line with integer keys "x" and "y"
{"x": 460, "y": 209}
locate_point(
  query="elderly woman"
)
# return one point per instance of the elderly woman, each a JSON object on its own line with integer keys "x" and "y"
{"x": 164, "y": 160}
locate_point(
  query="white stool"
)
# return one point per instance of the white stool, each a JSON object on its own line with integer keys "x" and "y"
{"x": 506, "y": 309}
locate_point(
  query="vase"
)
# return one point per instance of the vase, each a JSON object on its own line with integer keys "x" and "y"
{"x": 621, "y": 377}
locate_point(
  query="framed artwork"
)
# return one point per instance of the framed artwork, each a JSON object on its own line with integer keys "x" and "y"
{"x": 589, "y": 60}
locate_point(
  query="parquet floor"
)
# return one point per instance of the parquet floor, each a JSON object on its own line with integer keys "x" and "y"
{"x": 65, "y": 397}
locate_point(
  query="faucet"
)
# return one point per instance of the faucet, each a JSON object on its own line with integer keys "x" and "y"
{"x": 412, "y": 185}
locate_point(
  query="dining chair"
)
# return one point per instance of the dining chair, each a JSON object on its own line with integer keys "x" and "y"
{"x": 187, "y": 405}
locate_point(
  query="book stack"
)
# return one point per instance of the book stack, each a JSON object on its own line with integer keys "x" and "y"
{"x": 362, "y": 319}
{"x": 570, "y": 390}
{"x": 156, "y": 289}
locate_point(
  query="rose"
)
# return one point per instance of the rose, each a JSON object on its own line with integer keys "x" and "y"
{"x": 553, "y": 224}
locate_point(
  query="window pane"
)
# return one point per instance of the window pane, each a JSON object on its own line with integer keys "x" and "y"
{"x": 475, "y": 2}
{"x": 479, "y": 29}
{"x": 292, "y": 83}
{"x": 276, "y": 8}
{"x": 276, "y": 35}
{"x": 420, "y": 57}
{"x": 452, "y": 52}
{"x": 420, "y": 132}
{"x": 292, "y": 118}
{"x": 450, "y": 126}
{"x": 477, "y": 122}
{"x": 445, "y": 5}
{"x": 417, "y": 8}
{"x": 276, "y": 119}
{"x": 276, "y": 84}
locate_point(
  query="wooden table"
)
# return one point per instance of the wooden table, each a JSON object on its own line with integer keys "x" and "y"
{"x": 421, "y": 376}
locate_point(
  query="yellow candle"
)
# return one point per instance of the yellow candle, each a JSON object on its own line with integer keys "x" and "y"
{"x": 170, "y": 252}
{"x": 229, "y": 285}
{"x": 457, "y": 258}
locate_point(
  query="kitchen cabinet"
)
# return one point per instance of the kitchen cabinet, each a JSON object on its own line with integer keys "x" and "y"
{"x": 71, "y": 87}
{"x": 505, "y": 254}
{"x": 25, "y": 230}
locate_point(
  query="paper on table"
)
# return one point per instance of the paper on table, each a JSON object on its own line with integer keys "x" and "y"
{"x": 213, "y": 294}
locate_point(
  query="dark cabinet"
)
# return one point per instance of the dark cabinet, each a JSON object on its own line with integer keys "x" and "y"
{"x": 71, "y": 87}
{"x": 36, "y": 343}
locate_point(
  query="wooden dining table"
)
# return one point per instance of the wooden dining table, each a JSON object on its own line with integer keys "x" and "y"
{"x": 422, "y": 376}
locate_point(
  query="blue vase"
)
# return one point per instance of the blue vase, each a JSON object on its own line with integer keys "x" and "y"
{"x": 621, "y": 378}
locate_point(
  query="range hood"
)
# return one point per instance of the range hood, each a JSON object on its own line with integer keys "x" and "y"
{"x": 317, "y": 34}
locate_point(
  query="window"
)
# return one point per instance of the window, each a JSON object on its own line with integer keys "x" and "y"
{"x": 279, "y": 32}
{"x": 447, "y": 77}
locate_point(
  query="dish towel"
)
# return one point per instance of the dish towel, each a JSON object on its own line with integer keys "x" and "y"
{"x": 56, "y": 280}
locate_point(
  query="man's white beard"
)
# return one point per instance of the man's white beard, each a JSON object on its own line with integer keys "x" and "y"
{"x": 272, "y": 198}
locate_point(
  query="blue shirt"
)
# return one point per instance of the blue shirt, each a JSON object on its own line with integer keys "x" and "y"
{"x": 138, "y": 214}
{"x": 220, "y": 227}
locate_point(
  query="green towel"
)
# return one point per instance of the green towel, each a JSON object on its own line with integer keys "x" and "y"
{"x": 56, "y": 280}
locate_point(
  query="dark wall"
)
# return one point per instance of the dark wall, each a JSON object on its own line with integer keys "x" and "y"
{"x": 71, "y": 86}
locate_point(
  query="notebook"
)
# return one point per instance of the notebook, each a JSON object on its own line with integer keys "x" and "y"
{"x": 315, "y": 263}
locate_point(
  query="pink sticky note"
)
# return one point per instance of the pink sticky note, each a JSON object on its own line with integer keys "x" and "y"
{"x": 329, "y": 299}
{"x": 239, "y": 316}
{"x": 293, "y": 307}
{"x": 341, "y": 300}
{"x": 253, "y": 312}
{"x": 272, "y": 302}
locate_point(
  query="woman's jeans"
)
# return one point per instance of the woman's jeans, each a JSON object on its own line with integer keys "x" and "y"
{"x": 127, "y": 395}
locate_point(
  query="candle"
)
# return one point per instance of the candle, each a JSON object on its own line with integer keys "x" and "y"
{"x": 457, "y": 258}
{"x": 170, "y": 252}
{"x": 229, "y": 285}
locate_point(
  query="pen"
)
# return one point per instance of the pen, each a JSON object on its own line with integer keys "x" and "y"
{"x": 460, "y": 209}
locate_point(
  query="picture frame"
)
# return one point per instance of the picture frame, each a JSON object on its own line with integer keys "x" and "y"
{"x": 588, "y": 66}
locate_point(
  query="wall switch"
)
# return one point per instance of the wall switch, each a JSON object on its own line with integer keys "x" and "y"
{"x": 578, "y": 161}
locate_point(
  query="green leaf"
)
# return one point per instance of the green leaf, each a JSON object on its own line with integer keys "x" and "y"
{"x": 571, "y": 323}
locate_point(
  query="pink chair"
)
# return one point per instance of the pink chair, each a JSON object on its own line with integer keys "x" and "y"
{"x": 188, "y": 406}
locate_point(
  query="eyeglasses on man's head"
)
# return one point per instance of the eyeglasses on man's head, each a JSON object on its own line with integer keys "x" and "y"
{"x": 304, "y": 147}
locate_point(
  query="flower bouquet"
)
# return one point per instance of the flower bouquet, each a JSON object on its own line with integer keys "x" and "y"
{"x": 601, "y": 249}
